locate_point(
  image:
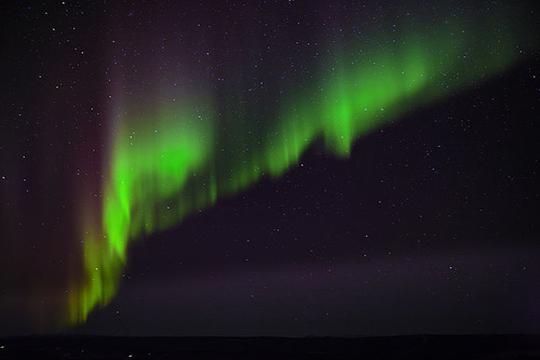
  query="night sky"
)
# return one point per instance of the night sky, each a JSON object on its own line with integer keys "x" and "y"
{"x": 277, "y": 168}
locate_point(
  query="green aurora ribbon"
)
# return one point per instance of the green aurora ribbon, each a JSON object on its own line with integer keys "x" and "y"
{"x": 166, "y": 164}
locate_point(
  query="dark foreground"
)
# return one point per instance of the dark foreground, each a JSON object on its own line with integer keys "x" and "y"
{"x": 399, "y": 347}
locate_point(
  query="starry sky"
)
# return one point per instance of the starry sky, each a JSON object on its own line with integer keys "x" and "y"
{"x": 269, "y": 168}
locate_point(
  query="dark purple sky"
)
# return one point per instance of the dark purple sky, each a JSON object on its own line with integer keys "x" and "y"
{"x": 430, "y": 227}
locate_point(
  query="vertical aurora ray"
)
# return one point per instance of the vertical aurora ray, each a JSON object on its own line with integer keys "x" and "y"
{"x": 167, "y": 164}
{"x": 151, "y": 162}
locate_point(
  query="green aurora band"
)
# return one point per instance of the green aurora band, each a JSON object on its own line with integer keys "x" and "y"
{"x": 167, "y": 164}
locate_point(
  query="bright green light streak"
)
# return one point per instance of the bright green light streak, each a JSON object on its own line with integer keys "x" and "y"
{"x": 167, "y": 165}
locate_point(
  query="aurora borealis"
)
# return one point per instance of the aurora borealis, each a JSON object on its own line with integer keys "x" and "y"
{"x": 150, "y": 187}
{"x": 175, "y": 144}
